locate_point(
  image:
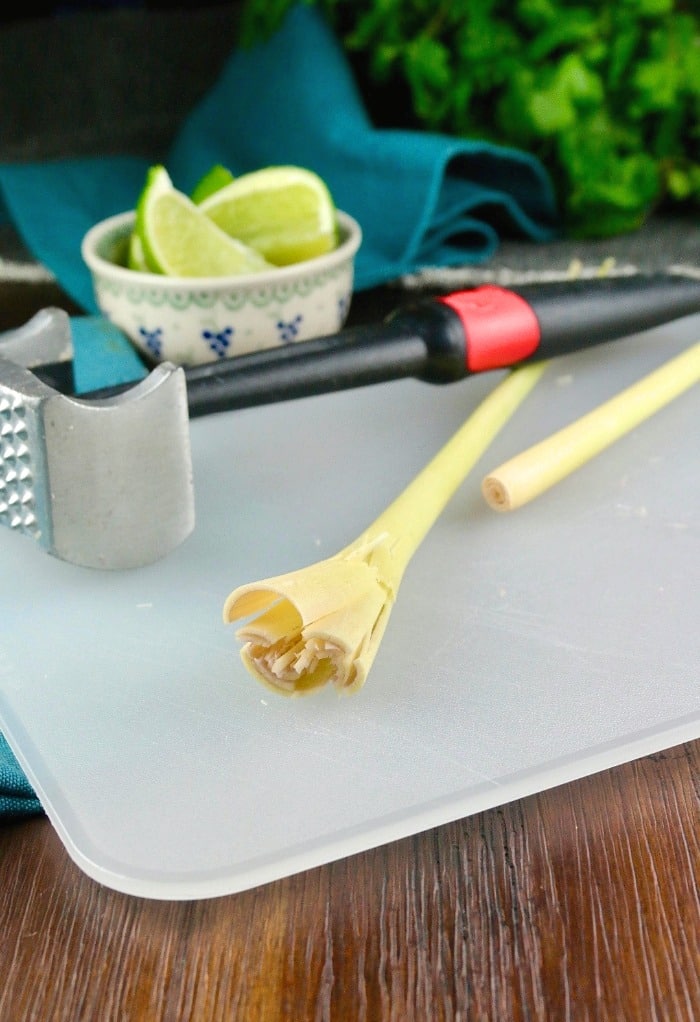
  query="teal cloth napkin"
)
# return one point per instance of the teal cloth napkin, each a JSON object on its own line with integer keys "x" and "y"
{"x": 16, "y": 795}
{"x": 422, "y": 199}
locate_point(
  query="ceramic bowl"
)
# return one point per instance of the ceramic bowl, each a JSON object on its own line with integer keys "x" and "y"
{"x": 191, "y": 320}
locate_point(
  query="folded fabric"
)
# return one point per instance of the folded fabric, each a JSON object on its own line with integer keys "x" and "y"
{"x": 102, "y": 356}
{"x": 422, "y": 199}
{"x": 52, "y": 204}
{"x": 16, "y": 795}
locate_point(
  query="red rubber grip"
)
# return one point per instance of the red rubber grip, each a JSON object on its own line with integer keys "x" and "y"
{"x": 500, "y": 327}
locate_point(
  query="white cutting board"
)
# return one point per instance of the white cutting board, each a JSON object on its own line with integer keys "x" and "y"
{"x": 524, "y": 650}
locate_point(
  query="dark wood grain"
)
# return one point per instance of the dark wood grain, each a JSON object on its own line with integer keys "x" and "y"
{"x": 580, "y": 904}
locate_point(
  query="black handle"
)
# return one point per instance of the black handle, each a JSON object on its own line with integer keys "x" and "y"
{"x": 585, "y": 313}
{"x": 445, "y": 339}
{"x": 351, "y": 358}
{"x": 425, "y": 341}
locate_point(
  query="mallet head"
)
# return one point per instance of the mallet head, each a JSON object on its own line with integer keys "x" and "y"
{"x": 103, "y": 483}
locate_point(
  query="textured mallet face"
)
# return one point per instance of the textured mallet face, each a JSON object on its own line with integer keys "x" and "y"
{"x": 45, "y": 338}
{"x": 24, "y": 492}
{"x": 17, "y": 495}
{"x": 18, "y": 508}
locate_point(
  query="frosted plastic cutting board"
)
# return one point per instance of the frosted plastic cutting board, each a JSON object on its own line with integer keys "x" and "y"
{"x": 524, "y": 650}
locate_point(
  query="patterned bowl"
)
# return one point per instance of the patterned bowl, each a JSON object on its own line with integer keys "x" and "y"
{"x": 189, "y": 320}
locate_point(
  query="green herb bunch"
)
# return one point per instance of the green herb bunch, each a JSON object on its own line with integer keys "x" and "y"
{"x": 605, "y": 93}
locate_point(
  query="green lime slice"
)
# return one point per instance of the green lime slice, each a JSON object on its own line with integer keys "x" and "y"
{"x": 216, "y": 177}
{"x": 286, "y": 213}
{"x": 178, "y": 239}
{"x": 135, "y": 259}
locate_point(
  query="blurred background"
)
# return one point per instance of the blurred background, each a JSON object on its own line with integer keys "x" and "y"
{"x": 606, "y": 94}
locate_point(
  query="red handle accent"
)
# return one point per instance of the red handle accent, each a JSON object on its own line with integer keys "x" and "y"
{"x": 500, "y": 327}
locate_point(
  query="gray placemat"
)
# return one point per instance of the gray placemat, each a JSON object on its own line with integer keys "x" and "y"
{"x": 669, "y": 243}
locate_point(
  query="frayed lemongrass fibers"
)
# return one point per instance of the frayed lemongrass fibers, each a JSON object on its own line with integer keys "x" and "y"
{"x": 323, "y": 624}
{"x": 535, "y": 470}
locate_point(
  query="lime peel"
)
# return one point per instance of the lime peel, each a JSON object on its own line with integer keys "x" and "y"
{"x": 136, "y": 259}
{"x": 216, "y": 177}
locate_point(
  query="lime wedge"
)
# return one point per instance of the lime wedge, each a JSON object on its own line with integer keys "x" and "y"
{"x": 179, "y": 240}
{"x": 286, "y": 213}
{"x": 215, "y": 178}
{"x": 136, "y": 260}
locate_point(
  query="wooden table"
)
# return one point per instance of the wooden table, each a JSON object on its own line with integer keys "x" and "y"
{"x": 581, "y": 903}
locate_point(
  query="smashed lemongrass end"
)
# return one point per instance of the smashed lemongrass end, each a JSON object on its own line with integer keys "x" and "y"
{"x": 535, "y": 470}
{"x": 323, "y": 624}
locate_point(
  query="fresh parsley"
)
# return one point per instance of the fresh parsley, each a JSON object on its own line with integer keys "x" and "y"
{"x": 606, "y": 94}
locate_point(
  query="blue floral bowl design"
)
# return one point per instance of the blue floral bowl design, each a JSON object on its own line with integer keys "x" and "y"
{"x": 191, "y": 320}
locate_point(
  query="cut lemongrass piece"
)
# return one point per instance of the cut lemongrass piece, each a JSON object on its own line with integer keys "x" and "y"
{"x": 323, "y": 624}
{"x": 531, "y": 473}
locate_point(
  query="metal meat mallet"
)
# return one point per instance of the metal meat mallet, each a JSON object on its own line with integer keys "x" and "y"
{"x": 105, "y": 479}
{"x": 104, "y": 483}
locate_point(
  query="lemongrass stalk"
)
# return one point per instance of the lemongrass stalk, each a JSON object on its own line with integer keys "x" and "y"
{"x": 323, "y": 623}
{"x": 535, "y": 470}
